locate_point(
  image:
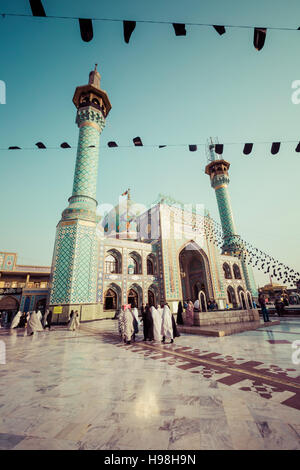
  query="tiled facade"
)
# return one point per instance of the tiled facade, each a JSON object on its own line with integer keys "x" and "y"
{"x": 80, "y": 278}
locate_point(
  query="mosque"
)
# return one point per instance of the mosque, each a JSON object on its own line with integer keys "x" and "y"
{"x": 132, "y": 255}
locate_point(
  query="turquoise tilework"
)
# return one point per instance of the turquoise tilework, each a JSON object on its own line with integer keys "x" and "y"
{"x": 74, "y": 272}
{"x": 86, "y": 169}
{"x": 64, "y": 253}
{"x": 225, "y": 211}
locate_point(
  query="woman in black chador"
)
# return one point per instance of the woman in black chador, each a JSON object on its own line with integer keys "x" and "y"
{"x": 179, "y": 314}
{"x": 148, "y": 324}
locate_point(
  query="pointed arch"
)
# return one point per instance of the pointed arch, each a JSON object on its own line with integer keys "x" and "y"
{"x": 195, "y": 270}
{"x": 134, "y": 263}
{"x": 135, "y": 295}
{"x": 112, "y": 297}
{"x": 153, "y": 295}
{"x": 242, "y": 298}
{"x": 113, "y": 262}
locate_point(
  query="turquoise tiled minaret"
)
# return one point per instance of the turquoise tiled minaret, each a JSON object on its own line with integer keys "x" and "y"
{"x": 74, "y": 266}
{"x": 217, "y": 169}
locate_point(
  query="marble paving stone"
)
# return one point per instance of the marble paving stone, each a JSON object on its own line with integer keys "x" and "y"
{"x": 35, "y": 443}
{"x": 9, "y": 441}
{"x": 61, "y": 390}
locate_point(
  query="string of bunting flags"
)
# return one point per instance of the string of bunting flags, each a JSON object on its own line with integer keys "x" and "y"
{"x": 251, "y": 255}
{"x": 137, "y": 142}
{"x": 87, "y": 31}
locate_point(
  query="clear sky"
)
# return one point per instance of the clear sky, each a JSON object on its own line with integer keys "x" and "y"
{"x": 165, "y": 89}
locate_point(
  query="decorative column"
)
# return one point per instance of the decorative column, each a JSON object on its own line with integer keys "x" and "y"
{"x": 74, "y": 266}
{"x": 217, "y": 169}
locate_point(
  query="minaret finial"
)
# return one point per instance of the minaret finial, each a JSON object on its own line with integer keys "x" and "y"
{"x": 94, "y": 78}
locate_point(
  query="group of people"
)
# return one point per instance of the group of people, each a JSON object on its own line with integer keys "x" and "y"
{"x": 36, "y": 321}
{"x": 74, "y": 322}
{"x": 280, "y": 303}
{"x": 33, "y": 321}
{"x": 158, "y": 323}
{"x": 190, "y": 308}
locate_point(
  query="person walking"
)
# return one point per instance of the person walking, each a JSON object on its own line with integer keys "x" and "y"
{"x": 148, "y": 332}
{"x": 166, "y": 325}
{"x": 135, "y": 314}
{"x": 74, "y": 321}
{"x": 16, "y": 320}
{"x": 156, "y": 324}
{"x": 48, "y": 320}
{"x": 264, "y": 310}
{"x": 128, "y": 324}
{"x": 179, "y": 314}
{"x": 190, "y": 313}
{"x": 33, "y": 324}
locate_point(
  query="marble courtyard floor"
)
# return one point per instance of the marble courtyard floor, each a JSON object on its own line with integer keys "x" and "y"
{"x": 86, "y": 390}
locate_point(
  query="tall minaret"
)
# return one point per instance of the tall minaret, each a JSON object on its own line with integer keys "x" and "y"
{"x": 217, "y": 169}
{"x": 74, "y": 266}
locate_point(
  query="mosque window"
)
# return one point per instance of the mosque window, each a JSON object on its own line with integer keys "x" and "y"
{"x": 150, "y": 269}
{"x": 132, "y": 266}
{"x": 237, "y": 272}
{"x": 134, "y": 263}
{"x": 95, "y": 101}
{"x": 111, "y": 264}
{"x": 227, "y": 271}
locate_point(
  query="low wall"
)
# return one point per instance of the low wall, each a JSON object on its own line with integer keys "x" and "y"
{"x": 215, "y": 317}
{"x": 87, "y": 312}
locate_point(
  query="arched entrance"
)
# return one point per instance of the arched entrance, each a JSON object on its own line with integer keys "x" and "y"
{"x": 112, "y": 297}
{"x": 9, "y": 305}
{"x": 231, "y": 296}
{"x": 195, "y": 272}
{"x": 110, "y": 301}
{"x": 202, "y": 301}
{"x": 133, "y": 298}
{"x": 242, "y": 298}
{"x": 135, "y": 295}
{"x": 249, "y": 299}
{"x": 151, "y": 298}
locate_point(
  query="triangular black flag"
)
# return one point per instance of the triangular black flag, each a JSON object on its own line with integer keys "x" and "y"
{"x": 259, "y": 38}
{"x": 297, "y": 149}
{"x": 65, "y": 145}
{"x": 112, "y": 144}
{"x": 220, "y": 29}
{"x": 86, "y": 29}
{"x": 179, "y": 29}
{"x": 40, "y": 145}
{"x": 128, "y": 27}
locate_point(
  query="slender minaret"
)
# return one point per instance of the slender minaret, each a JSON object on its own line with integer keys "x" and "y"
{"x": 74, "y": 266}
{"x": 217, "y": 169}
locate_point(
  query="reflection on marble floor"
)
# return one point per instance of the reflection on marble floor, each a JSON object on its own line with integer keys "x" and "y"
{"x": 85, "y": 390}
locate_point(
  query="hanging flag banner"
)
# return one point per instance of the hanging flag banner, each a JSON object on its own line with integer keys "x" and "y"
{"x": 37, "y": 8}
{"x": 220, "y": 29}
{"x": 128, "y": 28}
{"x": 259, "y": 38}
{"x": 179, "y": 29}
{"x": 86, "y": 29}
